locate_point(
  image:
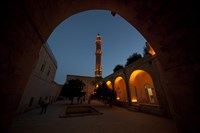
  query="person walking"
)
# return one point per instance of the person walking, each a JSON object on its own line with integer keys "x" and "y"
{"x": 44, "y": 105}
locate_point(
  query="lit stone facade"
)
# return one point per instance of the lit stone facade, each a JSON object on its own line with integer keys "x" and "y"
{"x": 41, "y": 82}
{"x": 139, "y": 86}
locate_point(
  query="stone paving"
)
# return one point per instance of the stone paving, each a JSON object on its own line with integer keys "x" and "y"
{"x": 112, "y": 120}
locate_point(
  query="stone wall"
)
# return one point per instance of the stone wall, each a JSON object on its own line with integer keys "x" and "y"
{"x": 40, "y": 83}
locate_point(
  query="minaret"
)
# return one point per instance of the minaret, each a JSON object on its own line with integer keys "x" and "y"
{"x": 98, "y": 69}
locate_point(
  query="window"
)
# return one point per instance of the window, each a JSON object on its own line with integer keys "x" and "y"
{"x": 150, "y": 93}
{"x": 49, "y": 71}
{"x": 31, "y": 102}
{"x": 43, "y": 66}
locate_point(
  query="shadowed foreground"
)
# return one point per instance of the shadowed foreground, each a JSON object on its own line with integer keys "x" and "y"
{"x": 113, "y": 120}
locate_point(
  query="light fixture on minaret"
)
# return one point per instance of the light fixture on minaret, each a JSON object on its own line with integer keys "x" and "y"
{"x": 98, "y": 68}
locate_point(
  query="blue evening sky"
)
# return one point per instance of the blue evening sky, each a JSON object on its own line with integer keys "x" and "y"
{"x": 73, "y": 43}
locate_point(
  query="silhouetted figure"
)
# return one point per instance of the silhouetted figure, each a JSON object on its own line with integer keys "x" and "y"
{"x": 44, "y": 105}
{"x": 89, "y": 100}
{"x": 81, "y": 100}
{"x": 71, "y": 99}
{"x": 78, "y": 99}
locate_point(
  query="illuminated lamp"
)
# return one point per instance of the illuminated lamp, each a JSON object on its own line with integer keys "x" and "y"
{"x": 134, "y": 100}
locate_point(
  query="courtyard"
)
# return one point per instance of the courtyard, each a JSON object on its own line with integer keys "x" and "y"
{"x": 112, "y": 120}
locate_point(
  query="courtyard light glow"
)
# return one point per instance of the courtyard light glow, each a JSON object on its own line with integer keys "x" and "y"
{"x": 134, "y": 100}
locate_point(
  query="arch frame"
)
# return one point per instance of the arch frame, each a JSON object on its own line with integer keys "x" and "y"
{"x": 27, "y": 27}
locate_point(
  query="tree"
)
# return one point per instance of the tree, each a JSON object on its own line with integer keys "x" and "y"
{"x": 63, "y": 90}
{"x": 118, "y": 67}
{"x": 133, "y": 58}
{"x": 145, "y": 51}
{"x": 101, "y": 91}
{"x": 74, "y": 88}
{"x": 105, "y": 94}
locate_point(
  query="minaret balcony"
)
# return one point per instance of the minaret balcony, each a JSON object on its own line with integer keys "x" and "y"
{"x": 98, "y": 52}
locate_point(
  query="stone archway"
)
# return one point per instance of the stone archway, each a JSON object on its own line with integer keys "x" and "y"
{"x": 170, "y": 27}
{"x": 142, "y": 87}
{"x": 120, "y": 88}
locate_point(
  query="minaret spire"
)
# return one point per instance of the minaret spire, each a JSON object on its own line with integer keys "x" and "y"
{"x": 98, "y": 68}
